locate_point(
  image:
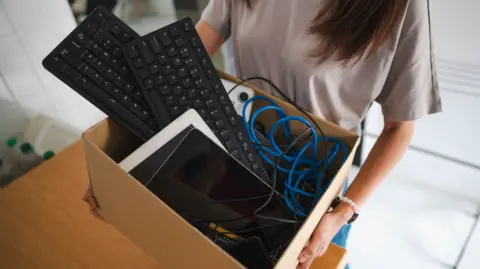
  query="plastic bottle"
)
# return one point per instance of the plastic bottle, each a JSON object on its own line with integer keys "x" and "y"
{"x": 5, "y": 176}
{"x": 29, "y": 159}
{"x": 14, "y": 156}
{"x": 48, "y": 155}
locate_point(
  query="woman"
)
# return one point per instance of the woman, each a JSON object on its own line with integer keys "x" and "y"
{"x": 334, "y": 58}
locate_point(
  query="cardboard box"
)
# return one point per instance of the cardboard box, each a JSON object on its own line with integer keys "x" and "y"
{"x": 157, "y": 229}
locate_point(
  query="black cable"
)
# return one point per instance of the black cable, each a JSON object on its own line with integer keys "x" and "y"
{"x": 247, "y": 230}
{"x": 284, "y": 96}
{"x": 274, "y": 179}
{"x": 181, "y": 212}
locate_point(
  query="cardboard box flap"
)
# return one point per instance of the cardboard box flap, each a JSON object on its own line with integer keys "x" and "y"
{"x": 145, "y": 219}
{"x": 112, "y": 139}
{"x": 289, "y": 256}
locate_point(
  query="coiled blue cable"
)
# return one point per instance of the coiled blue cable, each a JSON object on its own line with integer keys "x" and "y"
{"x": 302, "y": 168}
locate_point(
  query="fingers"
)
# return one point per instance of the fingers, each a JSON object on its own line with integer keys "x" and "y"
{"x": 89, "y": 198}
{"x": 307, "y": 263}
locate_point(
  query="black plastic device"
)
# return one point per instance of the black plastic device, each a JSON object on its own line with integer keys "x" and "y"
{"x": 175, "y": 74}
{"x": 90, "y": 61}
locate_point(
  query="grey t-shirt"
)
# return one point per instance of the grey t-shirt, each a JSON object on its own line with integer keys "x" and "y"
{"x": 270, "y": 40}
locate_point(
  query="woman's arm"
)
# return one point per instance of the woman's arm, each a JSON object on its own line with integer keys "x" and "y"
{"x": 385, "y": 154}
{"x": 210, "y": 38}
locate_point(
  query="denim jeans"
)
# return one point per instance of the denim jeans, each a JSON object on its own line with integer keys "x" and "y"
{"x": 342, "y": 235}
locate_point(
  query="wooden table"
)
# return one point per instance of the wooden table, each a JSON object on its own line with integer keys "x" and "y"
{"x": 44, "y": 224}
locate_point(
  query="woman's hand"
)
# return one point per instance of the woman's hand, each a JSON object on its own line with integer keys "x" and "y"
{"x": 328, "y": 227}
{"x": 89, "y": 197}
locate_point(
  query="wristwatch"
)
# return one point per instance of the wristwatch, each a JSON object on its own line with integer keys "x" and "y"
{"x": 338, "y": 200}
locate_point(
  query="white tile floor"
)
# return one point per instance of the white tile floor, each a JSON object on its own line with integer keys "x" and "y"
{"x": 410, "y": 224}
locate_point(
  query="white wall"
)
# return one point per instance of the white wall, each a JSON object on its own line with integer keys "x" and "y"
{"x": 29, "y": 30}
{"x": 456, "y": 131}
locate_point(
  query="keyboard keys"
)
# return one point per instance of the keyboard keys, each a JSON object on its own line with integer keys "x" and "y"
{"x": 184, "y": 52}
{"x": 108, "y": 44}
{"x": 83, "y": 39}
{"x": 90, "y": 59}
{"x": 164, "y": 89}
{"x": 138, "y": 63}
{"x": 233, "y": 121}
{"x": 177, "y": 62}
{"x": 110, "y": 74}
{"x": 197, "y": 103}
{"x": 154, "y": 68}
{"x": 209, "y": 103}
{"x": 167, "y": 69}
{"x": 178, "y": 90}
{"x": 126, "y": 101}
{"x": 186, "y": 27}
{"x": 183, "y": 101}
{"x": 245, "y": 146}
{"x": 146, "y": 53}
{"x": 128, "y": 88}
{"x": 90, "y": 29}
{"x": 159, "y": 79}
{"x": 133, "y": 51}
{"x": 70, "y": 57}
{"x": 225, "y": 134}
{"x": 135, "y": 107}
{"x": 174, "y": 32}
{"x": 179, "y": 42}
{"x": 173, "y": 79}
{"x": 250, "y": 157}
{"x": 200, "y": 52}
{"x": 194, "y": 42}
{"x": 200, "y": 83}
{"x": 58, "y": 64}
{"x": 105, "y": 56}
{"x": 204, "y": 62}
{"x": 144, "y": 114}
{"x": 166, "y": 41}
{"x": 162, "y": 59}
{"x": 187, "y": 83}
{"x": 119, "y": 81}
{"x": 214, "y": 113}
{"x": 116, "y": 31}
{"x": 205, "y": 93}
{"x": 218, "y": 89}
{"x": 219, "y": 124}
{"x": 148, "y": 83}
{"x": 189, "y": 62}
{"x": 209, "y": 73}
{"x": 228, "y": 110}
{"x": 223, "y": 100}
{"x": 175, "y": 111}
{"x": 191, "y": 93}
{"x": 182, "y": 72}
{"x": 101, "y": 18}
{"x": 143, "y": 73}
{"x": 156, "y": 47}
{"x": 123, "y": 70}
{"x": 116, "y": 52}
{"x": 240, "y": 136}
{"x": 170, "y": 100}
{"x": 95, "y": 48}
{"x": 172, "y": 51}
{"x": 195, "y": 73}
{"x": 100, "y": 66}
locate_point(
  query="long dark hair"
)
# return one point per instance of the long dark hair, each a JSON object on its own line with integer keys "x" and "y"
{"x": 350, "y": 29}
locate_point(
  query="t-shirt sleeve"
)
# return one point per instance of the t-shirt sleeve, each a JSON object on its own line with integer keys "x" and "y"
{"x": 411, "y": 89}
{"x": 217, "y": 14}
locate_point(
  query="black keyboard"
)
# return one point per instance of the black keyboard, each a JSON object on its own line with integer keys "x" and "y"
{"x": 90, "y": 61}
{"x": 175, "y": 74}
